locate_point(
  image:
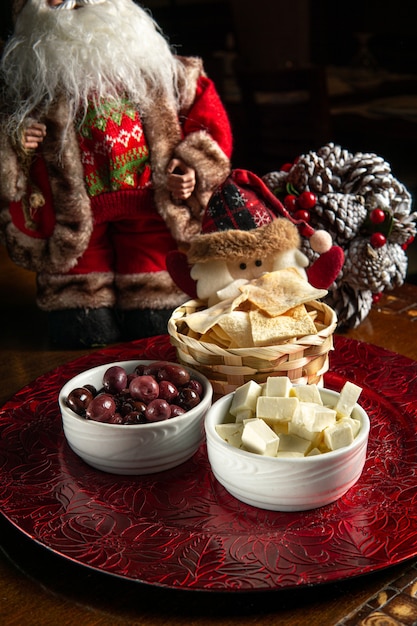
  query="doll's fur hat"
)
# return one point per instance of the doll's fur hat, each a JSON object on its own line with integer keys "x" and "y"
{"x": 277, "y": 236}
{"x": 243, "y": 218}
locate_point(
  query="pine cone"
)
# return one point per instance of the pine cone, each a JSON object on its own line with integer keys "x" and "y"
{"x": 374, "y": 269}
{"x": 276, "y": 181}
{"x": 310, "y": 173}
{"x": 348, "y": 188}
{"x": 351, "y": 306}
{"x": 365, "y": 173}
{"x": 342, "y": 215}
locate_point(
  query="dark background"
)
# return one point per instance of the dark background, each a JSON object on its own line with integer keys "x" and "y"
{"x": 269, "y": 33}
{"x": 201, "y": 27}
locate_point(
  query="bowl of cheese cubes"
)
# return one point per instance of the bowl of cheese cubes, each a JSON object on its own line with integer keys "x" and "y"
{"x": 286, "y": 447}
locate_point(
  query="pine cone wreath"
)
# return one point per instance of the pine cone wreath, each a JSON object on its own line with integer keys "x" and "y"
{"x": 349, "y": 304}
{"x": 366, "y": 210}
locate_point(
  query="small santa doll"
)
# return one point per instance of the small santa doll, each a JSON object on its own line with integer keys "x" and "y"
{"x": 246, "y": 232}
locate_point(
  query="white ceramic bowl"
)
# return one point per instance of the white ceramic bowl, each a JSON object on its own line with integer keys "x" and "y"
{"x": 133, "y": 449}
{"x": 285, "y": 484}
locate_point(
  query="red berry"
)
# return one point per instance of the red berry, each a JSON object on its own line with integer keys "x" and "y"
{"x": 407, "y": 243}
{"x": 302, "y": 215}
{"x": 376, "y": 297}
{"x": 307, "y": 200}
{"x": 378, "y": 240}
{"x": 286, "y": 167}
{"x": 377, "y": 216}
{"x": 290, "y": 202}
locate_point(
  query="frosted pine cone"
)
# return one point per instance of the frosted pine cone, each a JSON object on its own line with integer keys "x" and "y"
{"x": 374, "y": 269}
{"x": 276, "y": 181}
{"x": 351, "y": 306}
{"x": 310, "y": 172}
{"x": 364, "y": 174}
{"x": 357, "y": 196}
{"x": 342, "y": 215}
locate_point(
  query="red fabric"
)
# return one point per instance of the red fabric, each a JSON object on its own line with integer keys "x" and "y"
{"x": 42, "y": 221}
{"x": 208, "y": 113}
{"x": 324, "y": 271}
{"x": 129, "y": 236}
{"x": 179, "y": 270}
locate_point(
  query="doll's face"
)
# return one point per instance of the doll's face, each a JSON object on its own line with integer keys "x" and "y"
{"x": 210, "y": 277}
{"x": 249, "y": 267}
{"x": 214, "y": 275}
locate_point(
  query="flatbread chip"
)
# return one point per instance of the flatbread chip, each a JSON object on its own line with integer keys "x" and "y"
{"x": 220, "y": 337}
{"x": 268, "y": 331}
{"x": 219, "y": 332}
{"x": 238, "y": 327}
{"x": 269, "y": 310}
{"x": 274, "y": 293}
{"x": 300, "y": 312}
{"x": 211, "y": 337}
{"x": 202, "y": 321}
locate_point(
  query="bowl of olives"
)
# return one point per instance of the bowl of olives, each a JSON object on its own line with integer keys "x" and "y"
{"x": 135, "y": 417}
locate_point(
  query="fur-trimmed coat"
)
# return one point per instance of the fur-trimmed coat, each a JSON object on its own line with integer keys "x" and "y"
{"x": 46, "y": 240}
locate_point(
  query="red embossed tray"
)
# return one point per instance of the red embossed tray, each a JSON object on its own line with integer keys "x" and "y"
{"x": 180, "y": 529}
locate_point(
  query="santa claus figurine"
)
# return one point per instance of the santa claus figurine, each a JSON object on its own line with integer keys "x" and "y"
{"x": 110, "y": 148}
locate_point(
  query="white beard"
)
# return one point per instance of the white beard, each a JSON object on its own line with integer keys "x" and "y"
{"x": 100, "y": 51}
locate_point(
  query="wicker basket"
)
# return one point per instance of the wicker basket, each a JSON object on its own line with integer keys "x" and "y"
{"x": 304, "y": 361}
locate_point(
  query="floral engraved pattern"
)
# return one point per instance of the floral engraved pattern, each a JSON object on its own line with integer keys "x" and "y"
{"x": 180, "y": 528}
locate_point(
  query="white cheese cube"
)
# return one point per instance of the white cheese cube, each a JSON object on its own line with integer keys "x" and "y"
{"x": 347, "y": 399}
{"x": 246, "y": 414}
{"x": 338, "y": 436}
{"x": 273, "y": 409}
{"x": 259, "y": 438}
{"x": 279, "y": 427}
{"x": 324, "y": 416}
{"x": 315, "y": 418}
{"x": 293, "y": 443}
{"x": 307, "y": 393}
{"x": 279, "y": 386}
{"x": 297, "y": 428}
{"x": 276, "y": 418}
{"x": 355, "y": 424}
{"x": 314, "y": 452}
{"x": 245, "y": 398}
{"x": 231, "y": 433}
{"x": 289, "y": 454}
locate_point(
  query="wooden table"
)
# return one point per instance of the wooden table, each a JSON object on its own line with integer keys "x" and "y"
{"x": 40, "y": 588}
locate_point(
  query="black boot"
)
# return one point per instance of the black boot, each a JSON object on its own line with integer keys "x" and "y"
{"x": 83, "y": 328}
{"x": 141, "y": 323}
